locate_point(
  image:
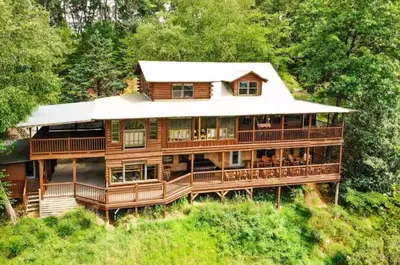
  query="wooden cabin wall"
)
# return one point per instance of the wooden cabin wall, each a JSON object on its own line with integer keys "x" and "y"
{"x": 14, "y": 171}
{"x": 162, "y": 91}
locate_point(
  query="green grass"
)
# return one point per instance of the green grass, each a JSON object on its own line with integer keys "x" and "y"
{"x": 238, "y": 231}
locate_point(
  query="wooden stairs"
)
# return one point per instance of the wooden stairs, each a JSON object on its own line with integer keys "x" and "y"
{"x": 32, "y": 202}
{"x": 56, "y": 206}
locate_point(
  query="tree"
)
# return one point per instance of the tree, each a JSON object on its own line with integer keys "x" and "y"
{"x": 94, "y": 71}
{"x": 5, "y": 201}
{"x": 29, "y": 50}
{"x": 347, "y": 54}
{"x": 201, "y": 30}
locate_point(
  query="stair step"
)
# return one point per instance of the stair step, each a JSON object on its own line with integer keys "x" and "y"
{"x": 33, "y": 200}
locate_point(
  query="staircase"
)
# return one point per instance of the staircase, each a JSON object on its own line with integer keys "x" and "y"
{"x": 55, "y": 206}
{"x": 32, "y": 202}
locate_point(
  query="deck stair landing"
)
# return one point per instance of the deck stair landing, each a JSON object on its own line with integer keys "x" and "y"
{"x": 56, "y": 206}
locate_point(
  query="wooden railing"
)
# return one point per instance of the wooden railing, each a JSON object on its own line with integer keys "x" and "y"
{"x": 90, "y": 192}
{"x": 272, "y": 135}
{"x": 67, "y": 145}
{"x": 15, "y": 187}
{"x": 178, "y": 184}
{"x": 55, "y": 190}
{"x": 207, "y": 177}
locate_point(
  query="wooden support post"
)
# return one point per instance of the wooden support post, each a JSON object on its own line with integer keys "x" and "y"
{"x": 74, "y": 174}
{"x": 30, "y": 132}
{"x": 191, "y": 169}
{"x": 280, "y": 162}
{"x": 191, "y": 198}
{"x": 107, "y": 216}
{"x": 136, "y": 212}
{"x": 237, "y": 129}
{"x": 340, "y": 159}
{"x": 307, "y": 159}
{"x": 282, "y": 126}
{"x": 223, "y": 166}
{"x": 309, "y": 125}
{"x": 164, "y": 189}
{"x": 254, "y": 128}
{"x": 252, "y": 165}
{"x": 278, "y": 205}
{"x": 337, "y": 193}
{"x": 41, "y": 170}
{"x": 342, "y": 125}
{"x": 136, "y": 192}
{"x": 218, "y": 126}
{"x": 165, "y": 210}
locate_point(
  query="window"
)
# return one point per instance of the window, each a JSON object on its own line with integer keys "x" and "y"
{"x": 235, "y": 158}
{"x": 183, "y": 158}
{"x": 182, "y": 91}
{"x": 153, "y": 129}
{"x": 133, "y": 172}
{"x": 248, "y": 88}
{"x": 134, "y": 134}
{"x": 115, "y": 130}
{"x": 265, "y": 152}
{"x": 205, "y": 128}
{"x": 168, "y": 159}
{"x": 227, "y": 128}
{"x": 179, "y": 129}
{"x": 30, "y": 169}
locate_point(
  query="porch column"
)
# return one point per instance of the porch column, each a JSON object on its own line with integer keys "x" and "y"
{"x": 307, "y": 159}
{"x": 342, "y": 125}
{"x": 280, "y": 161}
{"x": 223, "y": 166}
{"x": 191, "y": 169}
{"x": 337, "y": 193}
{"x": 41, "y": 171}
{"x": 252, "y": 164}
{"x": 254, "y": 129}
{"x": 309, "y": 125}
{"x": 282, "y": 126}
{"x": 340, "y": 159}
{"x": 74, "y": 174}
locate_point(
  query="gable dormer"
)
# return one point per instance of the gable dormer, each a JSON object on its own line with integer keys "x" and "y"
{"x": 249, "y": 84}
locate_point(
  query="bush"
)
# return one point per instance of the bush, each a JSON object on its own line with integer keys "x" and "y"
{"x": 15, "y": 245}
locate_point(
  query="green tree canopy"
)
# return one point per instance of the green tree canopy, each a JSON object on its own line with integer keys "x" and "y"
{"x": 29, "y": 49}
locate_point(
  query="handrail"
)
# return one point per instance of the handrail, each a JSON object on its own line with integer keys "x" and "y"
{"x": 25, "y": 195}
{"x": 178, "y": 178}
{"x": 58, "y": 183}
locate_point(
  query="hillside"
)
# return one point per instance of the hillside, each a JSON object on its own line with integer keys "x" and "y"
{"x": 236, "y": 232}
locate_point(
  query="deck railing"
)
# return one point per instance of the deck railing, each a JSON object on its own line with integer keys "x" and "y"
{"x": 90, "y": 192}
{"x": 273, "y": 135}
{"x": 15, "y": 187}
{"x": 177, "y": 185}
{"x": 55, "y": 190}
{"x": 67, "y": 145}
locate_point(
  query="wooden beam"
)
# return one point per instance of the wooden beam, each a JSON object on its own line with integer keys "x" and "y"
{"x": 218, "y": 126}
{"x": 278, "y": 205}
{"x": 337, "y": 193}
{"x": 107, "y": 216}
{"x": 74, "y": 174}
{"x": 309, "y": 125}
{"x": 237, "y": 130}
{"x": 340, "y": 159}
{"x": 342, "y": 125}
{"x": 41, "y": 170}
{"x": 254, "y": 129}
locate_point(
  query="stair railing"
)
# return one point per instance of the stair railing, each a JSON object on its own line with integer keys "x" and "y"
{"x": 25, "y": 195}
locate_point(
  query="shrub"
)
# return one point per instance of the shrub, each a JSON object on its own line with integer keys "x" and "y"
{"x": 15, "y": 245}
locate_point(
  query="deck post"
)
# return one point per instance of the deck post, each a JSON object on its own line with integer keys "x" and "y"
{"x": 254, "y": 129}
{"x": 107, "y": 216}
{"x": 191, "y": 169}
{"x": 222, "y": 165}
{"x": 252, "y": 165}
{"x": 136, "y": 192}
{"x": 337, "y": 193}
{"x": 164, "y": 189}
{"x": 307, "y": 159}
{"x": 278, "y": 204}
{"x": 74, "y": 174}
{"x": 41, "y": 169}
{"x": 280, "y": 162}
{"x": 340, "y": 159}
{"x": 342, "y": 125}
{"x": 165, "y": 210}
{"x": 309, "y": 125}
{"x": 136, "y": 212}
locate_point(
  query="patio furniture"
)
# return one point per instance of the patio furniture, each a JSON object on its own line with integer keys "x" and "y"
{"x": 167, "y": 173}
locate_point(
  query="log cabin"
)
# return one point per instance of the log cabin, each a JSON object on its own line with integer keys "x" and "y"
{"x": 192, "y": 128}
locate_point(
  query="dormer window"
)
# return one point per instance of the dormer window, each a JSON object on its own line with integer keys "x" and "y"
{"x": 248, "y": 87}
{"x": 182, "y": 90}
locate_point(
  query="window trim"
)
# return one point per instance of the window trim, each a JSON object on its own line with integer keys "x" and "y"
{"x": 156, "y": 129}
{"x": 144, "y": 175}
{"x": 247, "y": 88}
{"x": 135, "y": 147}
{"x": 182, "y": 90}
{"x": 240, "y": 162}
{"x": 118, "y": 131}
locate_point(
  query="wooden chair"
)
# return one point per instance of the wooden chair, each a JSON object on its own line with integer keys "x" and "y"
{"x": 275, "y": 162}
{"x": 293, "y": 161}
{"x": 167, "y": 173}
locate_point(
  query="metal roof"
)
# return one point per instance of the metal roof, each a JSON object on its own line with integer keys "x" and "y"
{"x": 275, "y": 97}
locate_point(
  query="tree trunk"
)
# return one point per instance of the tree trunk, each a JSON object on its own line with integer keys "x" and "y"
{"x": 7, "y": 205}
